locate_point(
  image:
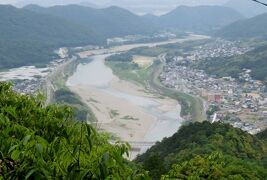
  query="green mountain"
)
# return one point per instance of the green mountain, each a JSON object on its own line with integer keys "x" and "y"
{"x": 255, "y": 60}
{"x": 108, "y": 22}
{"x": 29, "y": 35}
{"x": 207, "y": 151}
{"x": 29, "y": 38}
{"x": 199, "y": 19}
{"x": 244, "y": 29}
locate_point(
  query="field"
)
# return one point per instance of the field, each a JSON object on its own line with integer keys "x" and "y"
{"x": 192, "y": 107}
{"x": 143, "y": 61}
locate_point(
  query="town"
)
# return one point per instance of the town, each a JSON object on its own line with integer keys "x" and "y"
{"x": 241, "y": 102}
{"x": 31, "y": 79}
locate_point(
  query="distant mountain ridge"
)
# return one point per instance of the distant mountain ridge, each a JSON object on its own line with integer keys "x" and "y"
{"x": 114, "y": 21}
{"x": 29, "y": 38}
{"x": 199, "y": 19}
{"x": 255, "y": 27}
{"x": 109, "y": 22}
{"x": 29, "y": 35}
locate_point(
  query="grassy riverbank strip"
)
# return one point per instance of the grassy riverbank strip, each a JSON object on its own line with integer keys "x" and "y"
{"x": 58, "y": 92}
{"x": 191, "y": 106}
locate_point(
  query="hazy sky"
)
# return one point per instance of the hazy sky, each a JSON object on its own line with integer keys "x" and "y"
{"x": 137, "y": 6}
{"x": 129, "y": 2}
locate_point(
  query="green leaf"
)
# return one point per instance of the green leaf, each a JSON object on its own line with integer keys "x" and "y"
{"x": 30, "y": 173}
{"x": 15, "y": 154}
{"x": 26, "y": 139}
{"x": 12, "y": 148}
{"x": 39, "y": 148}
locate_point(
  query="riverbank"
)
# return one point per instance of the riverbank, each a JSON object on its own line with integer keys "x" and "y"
{"x": 57, "y": 92}
{"x": 191, "y": 107}
{"x": 122, "y": 108}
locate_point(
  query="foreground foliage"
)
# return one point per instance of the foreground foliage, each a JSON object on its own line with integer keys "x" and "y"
{"x": 207, "y": 151}
{"x": 39, "y": 142}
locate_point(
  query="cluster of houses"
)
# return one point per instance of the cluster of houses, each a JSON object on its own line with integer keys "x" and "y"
{"x": 241, "y": 100}
{"x": 139, "y": 38}
{"x": 30, "y": 79}
{"x": 218, "y": 48}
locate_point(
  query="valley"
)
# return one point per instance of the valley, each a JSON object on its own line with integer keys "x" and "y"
{"x": 127, "y": 109}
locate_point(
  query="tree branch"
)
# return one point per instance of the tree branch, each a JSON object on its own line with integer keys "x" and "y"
{"x": 265, "y": 4}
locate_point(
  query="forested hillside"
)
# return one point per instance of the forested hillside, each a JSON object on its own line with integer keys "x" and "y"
{"x": 200, "y": 19}
{"x": 255, "y": 60}
{"x": 31, "y": 34}
{"x": 207, "y": 151}
{"x": 29, "y": 38}
{"x": 244, "y": 29}
{"x": 108, "y": 22}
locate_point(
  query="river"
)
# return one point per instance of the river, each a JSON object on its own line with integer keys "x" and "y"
{"x": 125, "y": 109}
{"x": 97, "y": 75}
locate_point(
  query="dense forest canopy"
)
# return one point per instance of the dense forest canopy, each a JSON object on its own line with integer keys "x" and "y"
{"x": 45, "y": 143}
{"x": 205, "y": 150}
{"x": 38, "y": 142}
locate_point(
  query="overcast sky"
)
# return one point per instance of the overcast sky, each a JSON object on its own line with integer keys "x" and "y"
{"x": 130, "y": 2}
{"x": 137, "y": 6}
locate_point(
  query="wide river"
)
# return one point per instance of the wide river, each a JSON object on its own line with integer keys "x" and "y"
{"x": 123, "y": 108}
{"x": 96, "y": 74}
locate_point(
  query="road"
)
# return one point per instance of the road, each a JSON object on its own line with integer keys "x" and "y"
{"x": 58, "y": 72}
{"x": 190, "y": 104}
{"x": 124, "y": 48}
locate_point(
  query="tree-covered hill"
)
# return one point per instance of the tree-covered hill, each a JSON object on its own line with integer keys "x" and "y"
{"x": 29, "y": 35}
{"x": 244, "y": 29}
{"x": 38, "y": 142}
{"x": 29, "y": 38}
{"x": 255, "y": 60}
{"x": 207, "y": 150}
{"x": 200, "y": 19}
{"x": 108, "y": 22}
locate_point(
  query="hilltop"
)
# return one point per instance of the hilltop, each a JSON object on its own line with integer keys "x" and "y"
{"x": 29, "y": 38}
{"x": 205, "y": 150}
{"x": 252, "y": 28}
{"x": 45, "y": 142}
{"x": 201, "y": 19}
{"x": 30, "y": 35}
{"x": 108, "y": 22}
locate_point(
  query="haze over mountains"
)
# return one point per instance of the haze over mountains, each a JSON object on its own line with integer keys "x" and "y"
{"x": 246, "y": 7}
{"x": 108, "y": 22}
{"x": 199, "y": 19}
{"x": 136, "y": 6}
{"x": 35, "y": 29}
{"x": 247, "y": 28}
{"x": 30, "y": 38}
